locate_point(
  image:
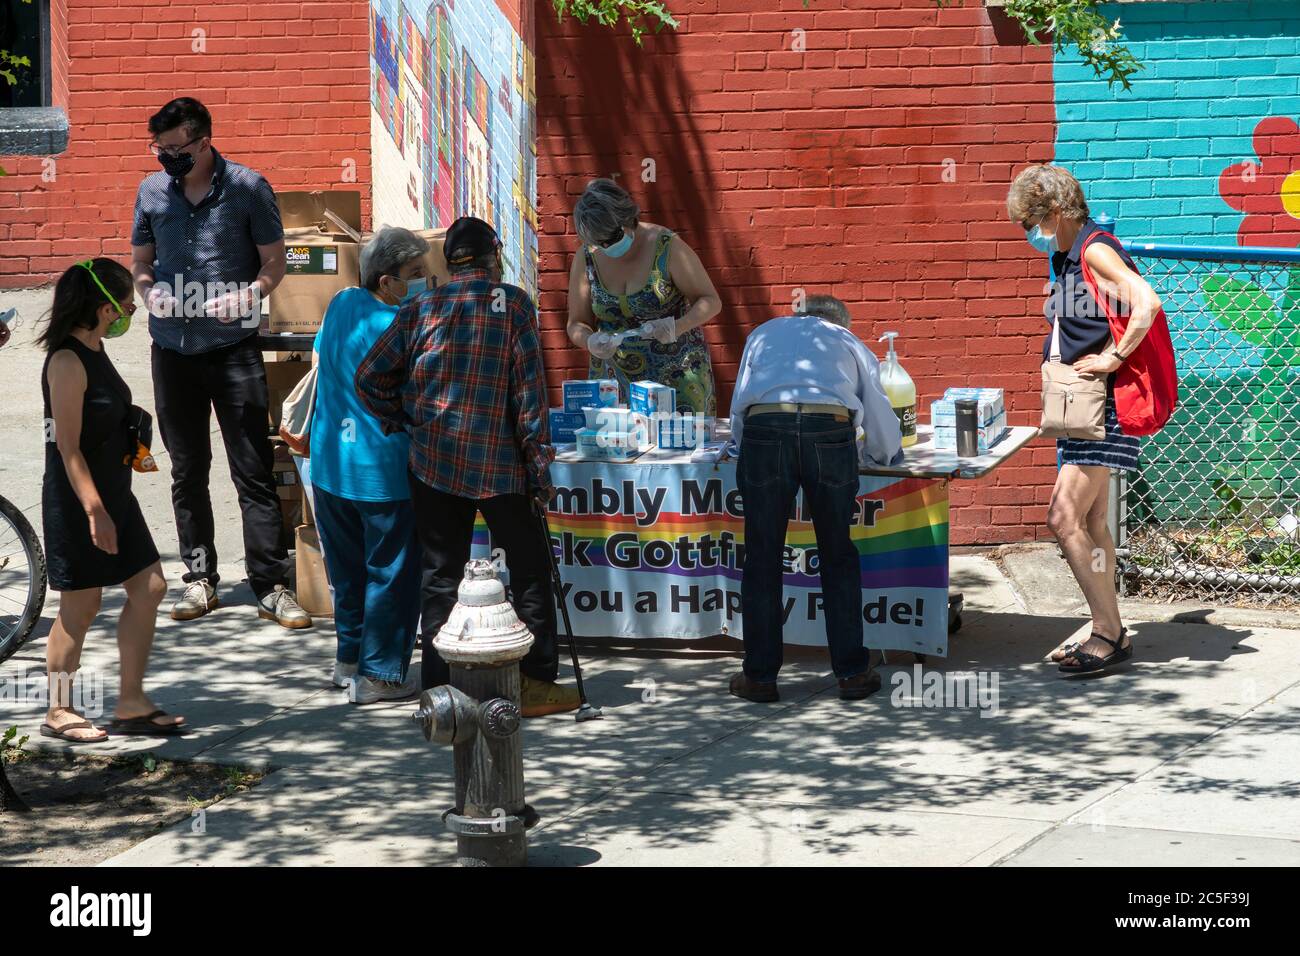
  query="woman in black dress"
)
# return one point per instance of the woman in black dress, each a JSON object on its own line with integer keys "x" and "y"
{"x": 1049, "y": 204}
{"x": 95, "y": 534}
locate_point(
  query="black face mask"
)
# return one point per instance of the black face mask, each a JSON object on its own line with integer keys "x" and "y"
{"x": 178, "y": 167}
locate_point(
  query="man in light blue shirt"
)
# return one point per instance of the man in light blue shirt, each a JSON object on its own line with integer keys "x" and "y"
{"x": 808, "y": 410}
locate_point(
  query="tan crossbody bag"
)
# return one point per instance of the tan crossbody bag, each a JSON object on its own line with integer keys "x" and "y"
{"x": 1074, "y": 405}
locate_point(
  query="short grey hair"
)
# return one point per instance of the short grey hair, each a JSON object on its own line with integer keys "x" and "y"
{"x": 829, "y": 308}
{"x": 387, "y": 251}
{"x": 1038, "y": 191}
{"x": 603, "y": 208}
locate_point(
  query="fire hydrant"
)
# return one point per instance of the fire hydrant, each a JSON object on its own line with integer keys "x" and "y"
{"x": 478, "y": 714}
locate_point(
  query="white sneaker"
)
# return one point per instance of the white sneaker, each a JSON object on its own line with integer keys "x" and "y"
{"x": 364, "y": 690}
{"x": 198, "y": 598}
{"x": 343, "y": 673}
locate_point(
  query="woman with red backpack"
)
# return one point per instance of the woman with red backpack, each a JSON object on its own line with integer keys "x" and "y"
{"x": 1108, "y": 379}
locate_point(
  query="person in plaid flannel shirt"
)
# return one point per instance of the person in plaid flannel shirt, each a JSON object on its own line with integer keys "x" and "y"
{"x": 460, "y": 370}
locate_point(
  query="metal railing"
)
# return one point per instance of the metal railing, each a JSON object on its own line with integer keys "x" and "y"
{"x": 1213, "y": 509}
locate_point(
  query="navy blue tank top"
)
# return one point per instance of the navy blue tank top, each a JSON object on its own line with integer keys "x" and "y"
{"x": 1084, "y": 327}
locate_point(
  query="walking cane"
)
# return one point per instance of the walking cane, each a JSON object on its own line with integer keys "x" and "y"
{"x": 586, "y": 711}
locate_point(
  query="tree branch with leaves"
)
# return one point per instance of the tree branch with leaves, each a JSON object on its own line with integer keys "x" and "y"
{"x": 1077, "y": 23}
{"x": 640, "y": 15}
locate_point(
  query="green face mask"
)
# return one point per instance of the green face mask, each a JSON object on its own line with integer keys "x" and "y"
{"x": 123, "y": 321}
{"x": 118, "y": 327}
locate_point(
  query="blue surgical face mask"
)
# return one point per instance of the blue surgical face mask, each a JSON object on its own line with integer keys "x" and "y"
{"x": 619, "y": 248}
{"x": 414, "y": 287}
{"x": 1044, "y": 244}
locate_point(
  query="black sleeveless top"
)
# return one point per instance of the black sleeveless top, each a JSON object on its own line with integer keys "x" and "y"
{"x": 105, "y": 440}
{"x": 73, "y": 560}
{"x": 1084, "y": 327}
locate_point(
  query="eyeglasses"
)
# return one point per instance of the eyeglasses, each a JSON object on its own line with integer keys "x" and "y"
{"x": 172, "y": 151}
{"x": 88, "y": 265}
{"x": 615, "y": 236}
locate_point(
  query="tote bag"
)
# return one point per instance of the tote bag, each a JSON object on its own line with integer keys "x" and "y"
{"x": 295, "y": 420}
{"x": 1074, "y": 404}
{"x": 1146, "y": 385}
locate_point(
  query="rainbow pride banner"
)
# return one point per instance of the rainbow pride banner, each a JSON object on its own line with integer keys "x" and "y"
{"x": 655, "y": 550}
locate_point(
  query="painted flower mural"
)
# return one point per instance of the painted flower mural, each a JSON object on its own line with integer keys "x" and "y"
{"x": 1255, "y": 383}
{"x": 1268, "y": 192}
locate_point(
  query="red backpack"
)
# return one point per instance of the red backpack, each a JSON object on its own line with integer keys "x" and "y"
{"x": 1146, "y": 385}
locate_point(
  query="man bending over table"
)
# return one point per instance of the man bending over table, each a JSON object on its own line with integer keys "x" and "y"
{"x": 807, "y": 410}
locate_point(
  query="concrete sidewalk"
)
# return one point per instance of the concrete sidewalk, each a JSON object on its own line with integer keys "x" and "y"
{"x": 1191, "y": 756}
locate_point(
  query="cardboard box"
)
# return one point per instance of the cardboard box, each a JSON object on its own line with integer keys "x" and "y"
{"x": 313, "y": 586}
{"x": 322, "y": 237}
{"x": 435, "y": 261}
{"x": 290, "y": 518}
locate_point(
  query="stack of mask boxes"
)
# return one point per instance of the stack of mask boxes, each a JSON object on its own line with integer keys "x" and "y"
{"x": 569, "y": 419}
{"x": 991, "y": 417}
{"x": 614, "y": 434}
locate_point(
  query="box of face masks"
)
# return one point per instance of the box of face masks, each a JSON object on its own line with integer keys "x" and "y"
{"x": 988, "y": 435}
{"x": 602, "y": 444}
{"x": 581, "y": 393}
{"x": 943, "y": 412}
{"x": 650, "y": 397}
{"x": 682, "y": 431}
{"x": 564, "y": 425}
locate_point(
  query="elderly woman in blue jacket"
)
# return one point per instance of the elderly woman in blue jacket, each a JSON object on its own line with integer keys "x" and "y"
{"x": 362, "y": 498}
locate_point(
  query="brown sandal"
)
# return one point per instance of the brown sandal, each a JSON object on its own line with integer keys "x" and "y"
{"x": 61, "y": 733}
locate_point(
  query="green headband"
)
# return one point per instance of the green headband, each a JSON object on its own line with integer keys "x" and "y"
{"x": 88, "y": 265}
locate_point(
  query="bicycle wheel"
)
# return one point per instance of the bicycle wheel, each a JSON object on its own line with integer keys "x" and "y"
{"x": 22, "y": 579}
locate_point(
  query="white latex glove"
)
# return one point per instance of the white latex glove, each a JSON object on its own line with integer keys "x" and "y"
{"x": 162, "y": 304}
{"x": 232, "y": 305}
{"x": 602, "y": 345}
{"x": 662, "y": 330}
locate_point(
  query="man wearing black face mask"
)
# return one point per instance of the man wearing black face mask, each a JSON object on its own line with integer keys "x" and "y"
{"x": 207, "y": 245}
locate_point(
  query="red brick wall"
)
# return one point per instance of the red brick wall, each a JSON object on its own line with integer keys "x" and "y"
{"x": 824, "y": 170}
{"x": 59, "y": 53}
{"x": 287, "y": 85}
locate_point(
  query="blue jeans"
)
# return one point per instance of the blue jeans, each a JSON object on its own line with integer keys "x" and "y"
{"x": 780, "y": 453}
{"x": 374, "y": 564}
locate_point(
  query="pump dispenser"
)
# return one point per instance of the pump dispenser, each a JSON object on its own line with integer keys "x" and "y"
{"x": 901, "y": 391}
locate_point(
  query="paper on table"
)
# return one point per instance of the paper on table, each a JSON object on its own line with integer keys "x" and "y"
{"x": 709, "y": 451}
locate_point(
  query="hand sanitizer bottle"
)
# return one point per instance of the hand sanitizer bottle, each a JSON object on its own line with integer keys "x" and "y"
{"x": 901, "y": 390}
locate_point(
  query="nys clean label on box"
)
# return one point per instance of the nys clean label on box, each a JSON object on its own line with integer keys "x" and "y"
{"x": 312, "y": 260}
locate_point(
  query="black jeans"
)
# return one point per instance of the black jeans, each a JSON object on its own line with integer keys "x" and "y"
{"x": 779, "y": 454}
{"x": 232, "y": 380}
{"x": 445, "y": 526}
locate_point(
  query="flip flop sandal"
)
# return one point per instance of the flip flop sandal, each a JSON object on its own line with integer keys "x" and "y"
{"x": 146, "y": 727}
{"x": 61, "y": 733}
{"x": 1092, "y": 664}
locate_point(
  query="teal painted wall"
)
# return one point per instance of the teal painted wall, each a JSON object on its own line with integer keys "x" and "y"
{"x": 1202, "y": 151}
{"x": 1153, "y": 157}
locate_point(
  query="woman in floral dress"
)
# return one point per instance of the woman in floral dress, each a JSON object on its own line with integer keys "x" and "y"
{"x": 630, "y": 274}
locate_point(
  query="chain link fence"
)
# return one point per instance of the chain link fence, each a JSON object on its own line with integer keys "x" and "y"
{"x": 1213, "y": 510}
